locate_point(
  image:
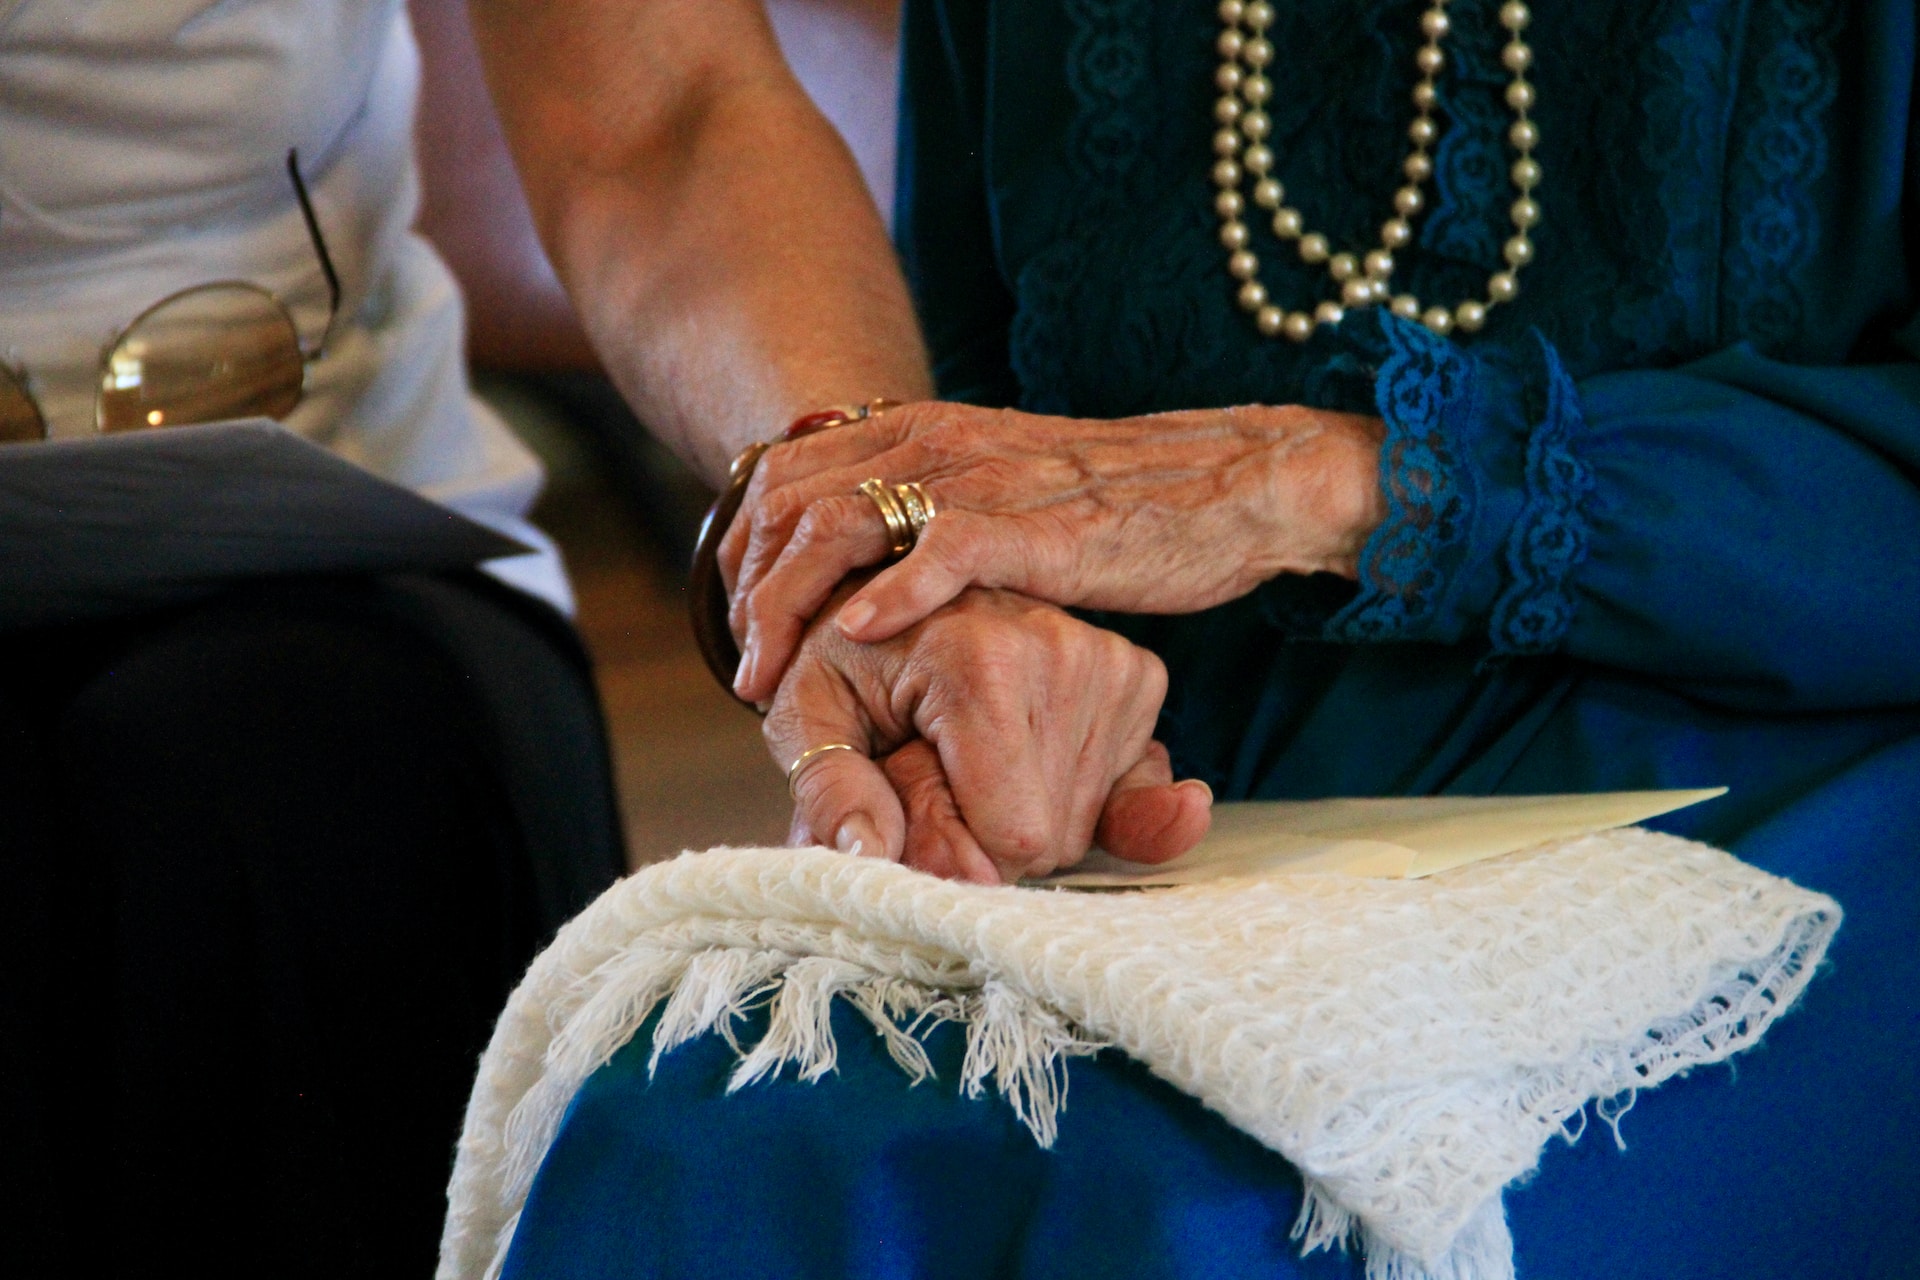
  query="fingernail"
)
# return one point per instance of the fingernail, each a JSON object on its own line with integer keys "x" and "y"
{"x": 743, "y": 676}
{"x": 1199, "y": 786}
{"x": 857, "y": 838}
{"x": 855, "y": 617}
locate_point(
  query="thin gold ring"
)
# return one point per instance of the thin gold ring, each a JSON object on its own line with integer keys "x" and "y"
{"x": 810, "y": 755}
{"x": 900, "y": 529}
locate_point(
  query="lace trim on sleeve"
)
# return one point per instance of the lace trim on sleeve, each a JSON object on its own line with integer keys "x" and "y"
{"x": 1550, "y": 539}
{"x": 1403, "y": 567}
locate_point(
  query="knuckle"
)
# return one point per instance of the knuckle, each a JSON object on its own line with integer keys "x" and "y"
{"x": 1026, "y": 841}
{"x": 814, "y": 523}
{"x": 780, "y": 511}
{"x": 1153, "y": 673}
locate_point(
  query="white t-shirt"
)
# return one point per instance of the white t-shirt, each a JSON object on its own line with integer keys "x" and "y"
{"x": 143, "y": 150}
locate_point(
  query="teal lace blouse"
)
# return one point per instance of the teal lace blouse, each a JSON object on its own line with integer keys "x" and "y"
{"x": 1671, "y": 488}
{"x": 1656, "y": 525}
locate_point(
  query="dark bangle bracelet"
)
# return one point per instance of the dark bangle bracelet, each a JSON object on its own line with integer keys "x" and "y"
{"x": 707, "y": 602}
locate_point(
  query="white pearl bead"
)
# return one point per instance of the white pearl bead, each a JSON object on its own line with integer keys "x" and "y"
{"x": 1298, "y": 326}
{"x": 1356, "y": 293}
{"x": 1257, "y": 89}
{"x": 1234, "y": 235}
{"x": 1243, "y": 266}
{"x": 1520, "y": 95}
{"x": 1268, "y": 194}
{"x": 1379, "y": 264}
{"x": 1287, "y": 223}
{"x": 1257, "y": 53}
{"x": 1525, "y": 213}
{"x": 1227, "y": 110}
{"x": 1232, "y": 10}
{"x": 1407, "y": 307}
{"x": 1259, "y": 15}
{"x": 1227, "y": 78}
{"x": 1503, "y": 286}
{"x": 1329, "y": 313}
{"x": 1408, "y": 201}
{"x": 1516, "y": 56}
{"x": 1342, "y": 266}
{"x": 1252, "y": 296}
{"x": 1525, "y": 173}
{"x": 1226, "y": 174}
{"x": 1438, "y": 319}
{"x": 1269, "y": 319}
{"x": 1423, "y": 131}
{"x": 1430, "y": 60}
{"x": 1518, "y": 251}
{"x": 1425, "y": 95}
{"x": 1256, "y": 125}
{"x": 1524, "y": 135}
{"x": 1258, "y": 160}
{"x": 1470, "y": 316}
{"x": 1396, "y": 233}
{"x": 1313, "y": 248}
{"x": 1380, "y": 291}
{"x": 1434, "y": 23}
{"x": 1230, "y": 44}
{"x": 1228, "y": 204}
{"x": 1418, "y": 167}
{"x": 1225, "y": 142}
{"x": 1515, "y": 16}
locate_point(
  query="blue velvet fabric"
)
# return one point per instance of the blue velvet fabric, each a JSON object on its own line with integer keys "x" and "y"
{"x": 1655, "y": 526}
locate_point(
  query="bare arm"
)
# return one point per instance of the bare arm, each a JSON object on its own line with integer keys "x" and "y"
{"x": 710, "y": 225}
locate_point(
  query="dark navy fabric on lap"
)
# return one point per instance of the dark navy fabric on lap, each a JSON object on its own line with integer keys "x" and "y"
{"x": 1799, "y": 1160}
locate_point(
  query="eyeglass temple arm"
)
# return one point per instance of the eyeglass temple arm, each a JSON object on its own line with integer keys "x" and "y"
{"x": 319, "y": 248}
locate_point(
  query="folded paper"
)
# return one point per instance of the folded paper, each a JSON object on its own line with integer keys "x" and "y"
{"x": 1394, "y": 838}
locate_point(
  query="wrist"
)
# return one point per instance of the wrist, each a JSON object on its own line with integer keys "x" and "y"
{"x": 1319, "y": 499}
{"x": 1353, "y": 505}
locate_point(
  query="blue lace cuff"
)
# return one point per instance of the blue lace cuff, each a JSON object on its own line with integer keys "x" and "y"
{"x": 1484, "y": 523}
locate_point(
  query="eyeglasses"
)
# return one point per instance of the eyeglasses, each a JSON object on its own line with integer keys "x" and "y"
{"x": 228, "y": 349}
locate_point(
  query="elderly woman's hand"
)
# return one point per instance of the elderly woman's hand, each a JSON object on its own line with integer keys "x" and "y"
{"x": 1165, "y": 514}
{"x": 1009, "y": 735}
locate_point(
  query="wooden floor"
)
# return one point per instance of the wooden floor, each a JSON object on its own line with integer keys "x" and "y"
{"x": 691, "y": 769}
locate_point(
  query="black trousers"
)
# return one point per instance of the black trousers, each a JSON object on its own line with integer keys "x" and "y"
{"x": 269, "y": 865}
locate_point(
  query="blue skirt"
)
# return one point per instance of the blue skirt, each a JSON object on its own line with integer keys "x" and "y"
{"x": 1801, "y": 1159}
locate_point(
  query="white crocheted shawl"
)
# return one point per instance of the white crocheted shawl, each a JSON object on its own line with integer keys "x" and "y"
{"x": 1408, "y": 1045}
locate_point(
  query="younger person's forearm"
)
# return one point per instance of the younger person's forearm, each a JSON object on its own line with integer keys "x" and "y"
{"x": 711, "y": 226}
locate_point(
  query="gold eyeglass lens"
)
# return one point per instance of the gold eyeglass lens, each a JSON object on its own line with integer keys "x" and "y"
{"x": 212, "y": 352}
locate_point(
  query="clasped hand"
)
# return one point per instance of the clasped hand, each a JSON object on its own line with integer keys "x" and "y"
{"x": 1008, "y": 735}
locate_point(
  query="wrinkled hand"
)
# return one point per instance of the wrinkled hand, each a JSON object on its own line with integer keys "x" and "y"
{"x": 1165, "y": 514}
{"x": 1009, "y": 736}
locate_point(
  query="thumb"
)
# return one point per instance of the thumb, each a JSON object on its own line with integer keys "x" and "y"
{"x": 1150, "y": 818}
{"x": 841, "y": 798}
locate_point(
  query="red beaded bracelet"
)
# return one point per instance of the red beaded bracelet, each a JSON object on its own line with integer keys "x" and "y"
{"x": 707, "y": 601}
{"x": 837, "y": 416}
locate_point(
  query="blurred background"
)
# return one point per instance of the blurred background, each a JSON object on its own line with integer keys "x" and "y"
{"x": 689, "y": 762}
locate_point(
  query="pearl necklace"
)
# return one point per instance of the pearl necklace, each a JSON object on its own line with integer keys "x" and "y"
{"x": 1241, "y": 149}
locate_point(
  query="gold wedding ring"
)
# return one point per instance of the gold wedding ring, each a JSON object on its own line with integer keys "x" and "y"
{"x": 906, "y": 508}
{"x": 808, "y": 757}
{"x": 919, "y": 506}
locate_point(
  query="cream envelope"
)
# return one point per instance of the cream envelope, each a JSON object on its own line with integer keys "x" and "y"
{"x": 1394, "y": 838}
